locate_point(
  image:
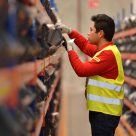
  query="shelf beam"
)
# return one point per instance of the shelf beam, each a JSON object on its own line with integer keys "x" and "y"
{"x": 131, "y": 56}
{"x": 127, "y": 126}
{"x": 46, "y": 105}
{"x": 11, "y": 79}
{"x": 130, "y": 81}
{"x": 130, "y": 105}
{"x": 125, "y": 33}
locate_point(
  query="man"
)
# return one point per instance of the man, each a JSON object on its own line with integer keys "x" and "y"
{"x": 104, "y": 71}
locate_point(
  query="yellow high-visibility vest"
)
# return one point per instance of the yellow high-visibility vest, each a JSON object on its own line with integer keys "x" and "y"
{"x": 106, "y": 95}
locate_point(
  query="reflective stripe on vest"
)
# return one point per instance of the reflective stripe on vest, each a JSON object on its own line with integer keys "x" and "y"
{"x": 106, "y": 95}
{"x": 104, "y": 85}
{"x": 104, "y": 99}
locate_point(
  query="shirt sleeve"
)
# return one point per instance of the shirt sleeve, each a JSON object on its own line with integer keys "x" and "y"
{"x": 104, "y": 65}
{"x": 83, "y": 44}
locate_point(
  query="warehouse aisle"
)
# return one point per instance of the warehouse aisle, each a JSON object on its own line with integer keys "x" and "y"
{"x": 77, "y": 115}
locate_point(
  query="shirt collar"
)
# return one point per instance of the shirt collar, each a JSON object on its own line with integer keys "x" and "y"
{"x": 105, "y": 45}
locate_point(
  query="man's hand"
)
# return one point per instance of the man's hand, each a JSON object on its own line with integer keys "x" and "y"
{"x": 70, "y": 45}
{"x": 64, "y": 28}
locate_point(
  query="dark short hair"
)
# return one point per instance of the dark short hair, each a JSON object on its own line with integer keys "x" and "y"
{"x": 105, "y": 23}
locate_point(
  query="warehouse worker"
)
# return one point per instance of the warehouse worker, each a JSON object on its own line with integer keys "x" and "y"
{"x": 104, "y": 71}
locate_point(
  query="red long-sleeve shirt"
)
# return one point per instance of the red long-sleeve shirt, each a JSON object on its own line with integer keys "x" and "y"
{"x": 105, "y": 65}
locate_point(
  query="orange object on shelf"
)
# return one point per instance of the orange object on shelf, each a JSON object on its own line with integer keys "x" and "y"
{"x": 62, "y": 129}
{"x": 125, "y": 33}
{"x": 119, "y": 132}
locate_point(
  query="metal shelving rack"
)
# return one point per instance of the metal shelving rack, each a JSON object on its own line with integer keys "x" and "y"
{"x": 125, "y": 33}
{"x": 129, "y": 80}
{"x": 12, "y": 79}
{"x": 46, "y": 105}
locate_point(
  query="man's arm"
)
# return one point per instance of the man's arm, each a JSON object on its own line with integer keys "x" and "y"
{"x": 83, "y": 43}
{"x": 104, "y": 65}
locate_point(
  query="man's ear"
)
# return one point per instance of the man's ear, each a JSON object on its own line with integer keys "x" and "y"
{"x": 101, "y": 33}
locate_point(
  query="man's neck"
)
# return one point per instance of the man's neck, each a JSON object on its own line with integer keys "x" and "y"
{"x": 102, "y": 42}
